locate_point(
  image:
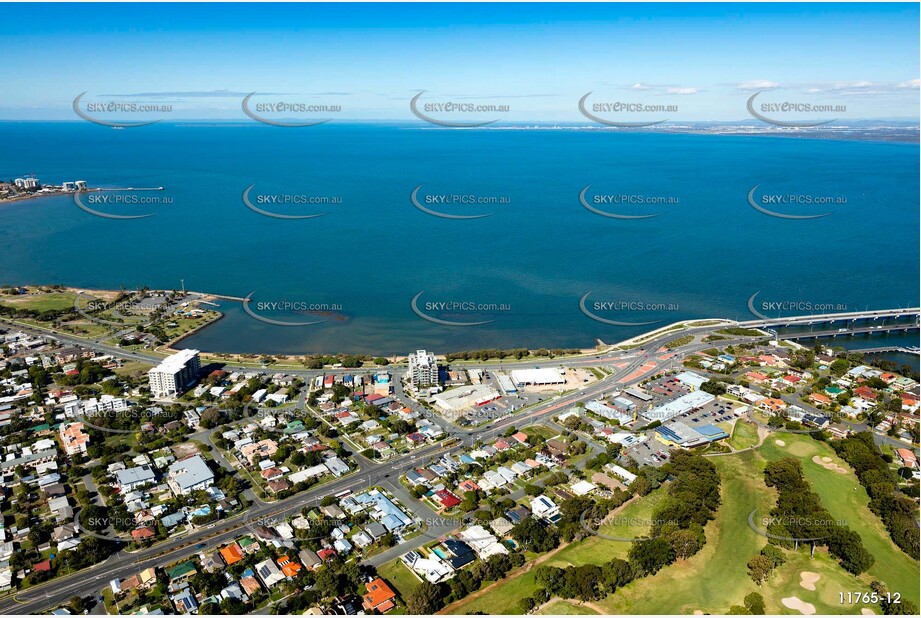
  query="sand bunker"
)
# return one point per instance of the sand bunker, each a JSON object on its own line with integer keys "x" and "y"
{"x": 866, "y": 611}
{"x": 825, "y": 462}
{"x": 808, "y": 579}
{"x": 780, "y": 443}
{"x": 698, "y": 612}
{"x": 802, "y": 607}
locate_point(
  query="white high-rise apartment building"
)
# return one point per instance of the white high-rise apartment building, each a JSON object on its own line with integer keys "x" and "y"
{"x": 423, "y": 370}
{"x": 174, "y": 374}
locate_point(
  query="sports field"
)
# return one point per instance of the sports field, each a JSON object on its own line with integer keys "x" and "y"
{"x": 717, "y": 576}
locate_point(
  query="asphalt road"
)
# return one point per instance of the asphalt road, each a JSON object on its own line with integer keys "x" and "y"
{"x": 89, "y": 581}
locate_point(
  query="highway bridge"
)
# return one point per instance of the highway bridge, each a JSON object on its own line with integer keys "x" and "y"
{"x": 850, "y": 316}
{"x": 848, "y": 331}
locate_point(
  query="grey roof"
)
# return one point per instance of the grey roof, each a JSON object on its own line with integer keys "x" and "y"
{"x": 27, "y": 459}
{"x": 309, "y": 558}
{"x": 131, "y": 476}
{"x": 172, "y": 519}
{"x": 190, "y": 472}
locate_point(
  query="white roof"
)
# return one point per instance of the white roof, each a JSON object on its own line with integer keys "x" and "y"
{"x": 177, "y": 361}
{"x": 546, "y": 375}
{"x": 678, "y": 406}
{"x": 582, "y": 487}
{"x": 691, "y": 379}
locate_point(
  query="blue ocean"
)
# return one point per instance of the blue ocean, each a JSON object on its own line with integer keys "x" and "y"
{"x": 517, "y": 275}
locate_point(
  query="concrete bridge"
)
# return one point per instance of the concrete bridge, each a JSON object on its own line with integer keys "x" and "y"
{"x": 891, "y": 348}
{"x": 848, "y": 331}
{"x": 850, "y": 316}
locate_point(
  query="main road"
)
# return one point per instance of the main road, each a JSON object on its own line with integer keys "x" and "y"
{"x": 632, "y": 366}
{"x": 645, "y": 358}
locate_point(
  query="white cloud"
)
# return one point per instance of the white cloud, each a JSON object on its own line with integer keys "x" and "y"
{"x": 758, "y": 84}
{"x": 678, "y": 90}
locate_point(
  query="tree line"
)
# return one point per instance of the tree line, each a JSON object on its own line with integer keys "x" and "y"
{"x": 799, "y": 516}
{"x": 898, "y": 511}
{"x": 676, "y": 533}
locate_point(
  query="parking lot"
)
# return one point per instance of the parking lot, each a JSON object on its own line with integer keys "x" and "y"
{"x": 714, "y": 413}
{"x": 649, "y": 453}
{"x": 501, "y": 408}
{"x": 666, "y": 389}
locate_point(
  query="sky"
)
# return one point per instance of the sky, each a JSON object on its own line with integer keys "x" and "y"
{"x": 693, "y": 62}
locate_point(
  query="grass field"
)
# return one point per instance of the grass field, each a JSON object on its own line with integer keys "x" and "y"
{"x": 560, "y": 607}
{"x": 42, "y": 301}
{"x": 845, "y": 499}
{"x": 503, "y": 599}
{"x": 133, "y": 368}
{"x": 717, "y": 576}
{"x": 399, "y": 577}
{"x": 744, "y": 435}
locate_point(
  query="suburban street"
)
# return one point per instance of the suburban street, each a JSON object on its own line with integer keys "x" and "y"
{"x": 625, "y": 367}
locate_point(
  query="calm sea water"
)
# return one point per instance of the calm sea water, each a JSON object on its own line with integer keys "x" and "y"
{"x": 538, "y": 254}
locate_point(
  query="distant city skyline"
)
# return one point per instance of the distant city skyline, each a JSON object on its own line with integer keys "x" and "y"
{"x": 700, "y": 62}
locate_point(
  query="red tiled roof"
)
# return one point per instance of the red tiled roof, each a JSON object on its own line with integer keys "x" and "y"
{"x": 232, "y": 554}
{"x": 379, "y": 596}
{"x": 44, "y": 565}
{"x": 143, "y": 533}
{"x": 447, "y": 498}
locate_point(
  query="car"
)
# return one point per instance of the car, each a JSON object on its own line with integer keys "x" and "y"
{"x": 201, "y": 546}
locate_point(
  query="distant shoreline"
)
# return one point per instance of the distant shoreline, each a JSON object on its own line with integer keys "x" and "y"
{"x": 893, "y": 131}
{"x": 35, "y": 196}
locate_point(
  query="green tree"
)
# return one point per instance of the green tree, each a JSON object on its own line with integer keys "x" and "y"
{"x": 759, "y": 568}
{"x": 755, "y": 603}
{"x": 424, "y": 599}
{"x": 651, "y": 555}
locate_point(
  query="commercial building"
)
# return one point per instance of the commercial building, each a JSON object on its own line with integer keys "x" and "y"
{"x": 685, "y": 403}
{"x": 690, "y": 379}
{"x": 538, "y": 377}
{"x": 464, "y": 397}
{"x": 174, "y": 374}
{"x": 423, "y": 370}
{"x": 611, "y": 413}
{"x": 506, "y": 384}
{"x": 679, "y": 434}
